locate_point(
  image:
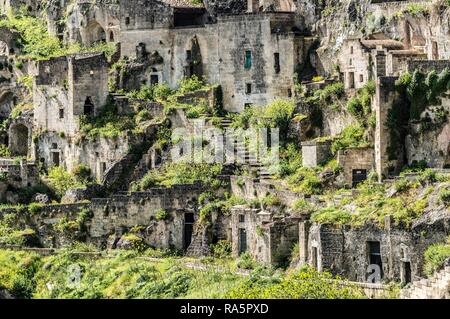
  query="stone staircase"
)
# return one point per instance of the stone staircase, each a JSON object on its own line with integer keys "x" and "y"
{"x": 246, "y": 158}
{"x": 436, "y": 287}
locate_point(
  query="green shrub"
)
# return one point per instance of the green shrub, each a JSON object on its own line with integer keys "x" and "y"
{"x": 246, "y": 261}
{"x": 222, "y": 249}
{"x": 189, "y": 85}
{"x": 35, "y": 208}
{"x": 444, "y": 196}
{"x": 304, "y": 284}
{"x": 435, "y": 256}
{"x": 161, "y": 214}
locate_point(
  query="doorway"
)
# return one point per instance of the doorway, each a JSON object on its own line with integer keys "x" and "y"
{"x": 242, "y": 241}
{"x": 189, "y": 221}
{"x": 358, "y": 176}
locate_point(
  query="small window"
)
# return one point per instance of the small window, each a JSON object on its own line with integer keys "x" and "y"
{"x": 248, "y": 60}
{"x": 289, "y": 92}
{"x": 361, "y": 78}
{"x": 350, "y": 62}
{"x": 61, "y": 114}
{"x": 351, "y": 50}
{"x": 188, "y": 55}
{"x": 242, "y": 218}
{"x": 248, "y": 88}
{"x": 276, "y": 58}
{"x": 127, "y": 20}
{"x": 54, "y": 146}
{"x": 103, "y": 167}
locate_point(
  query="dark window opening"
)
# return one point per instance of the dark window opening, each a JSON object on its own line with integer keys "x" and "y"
{"x": 277, "y": 63}
{"x": 289, "y": 92}
{"x": 361, "y": 78}
{"x": 189, "y": 55}
{"x": 154, "y": 79}
{"x": 88, "y": 106}
{"x": 248, "y": 88}
{"x": 188, "y": 229}
{"x": 103, "y": 167}
{"x": 359, "y": 176}
{"x": 127, "y": 20}
{"x": 54, "y": 146}
{"x": 55, "y": 159}
{"x": 314, "y": 258}
{"x": 242, "y": 241}
{"x": 375, "y": 255}
{"x": 351, "y": 80}
{"x": 407, "y": 273}
{"x": 111, "y": 36}
{"x": 61, "y": 113}
{"x": 248, "y": 60}
{"x": 242, "y": 218}
{"x": 351, "y": 50}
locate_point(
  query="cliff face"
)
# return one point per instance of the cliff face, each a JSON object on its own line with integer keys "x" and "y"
{"x": 217, "y": 7}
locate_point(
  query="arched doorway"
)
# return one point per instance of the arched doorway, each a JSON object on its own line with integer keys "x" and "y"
{"x": 194, "y": 62}
{"x": 95, "y": 33}
{"x": 18, "y": 140}
{"x": 88, "y": 107}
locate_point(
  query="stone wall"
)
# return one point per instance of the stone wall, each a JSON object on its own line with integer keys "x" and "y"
{"x": 345, "y": 250}
{"x": 115, "y": 216}
{"x": 44, "y": 223}
{"x": 267, "y": 239}
{"x": 315, "y": 153}
{"x": 355, "y": 159}
{"x": 223, "y": 48}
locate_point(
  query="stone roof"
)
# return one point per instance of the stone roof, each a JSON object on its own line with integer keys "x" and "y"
{"x": 407, "y": 52}
{"x": 183, "y": 3}
{"x": 388, "y": 44}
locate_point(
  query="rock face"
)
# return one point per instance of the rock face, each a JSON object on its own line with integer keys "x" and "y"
{"x": 218, "y": 7}
{"x": 5, "y": 294}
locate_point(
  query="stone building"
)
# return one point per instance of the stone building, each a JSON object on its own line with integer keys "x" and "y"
{"x": 356, "y": 164}
{"x": 371, "y": 253}
{"x": 361, "y": 60}
{"x": 315, "y": 153}
{"x": 267, "y": 238}
{"x": 245, "y": 54}
{"x": 67, "y": 88}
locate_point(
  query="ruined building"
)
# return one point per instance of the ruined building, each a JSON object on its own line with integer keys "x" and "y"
{"x": 108, "y": 100}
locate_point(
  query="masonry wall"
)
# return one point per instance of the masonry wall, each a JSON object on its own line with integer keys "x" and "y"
{"x": 223, "y": 47}
{"x": 344, "y": 250}
{"x": 354, "y": 59}
{"x": 355, "y": 159}
{"x": 116, "y": 215}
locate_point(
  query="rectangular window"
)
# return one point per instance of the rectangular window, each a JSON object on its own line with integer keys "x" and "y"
{"x": 277, "y": 67}
{"x": 61, "y": 114}
{"x": 351, "y": 50}
{"x": 361, "y": 78}
{"x": 248, "y": 88}
{"x": 127, "y": 20}
{"x": 242, "y": 218}
{"x": 248, "y": 60}
{"x": 189, "y": 55}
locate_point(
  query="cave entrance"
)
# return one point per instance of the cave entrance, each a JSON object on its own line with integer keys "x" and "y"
{"x": 18, "y": 140}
